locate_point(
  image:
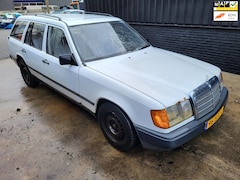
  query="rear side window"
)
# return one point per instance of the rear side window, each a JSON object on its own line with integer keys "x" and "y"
{"x": 34, "y": 35}
{"x": 18, "y": 29}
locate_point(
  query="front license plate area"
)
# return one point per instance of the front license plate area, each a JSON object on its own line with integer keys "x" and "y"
{"x": 214, "y": 119}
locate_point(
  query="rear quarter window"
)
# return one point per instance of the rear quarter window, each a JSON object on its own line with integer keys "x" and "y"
{"x": 17, "y": 31}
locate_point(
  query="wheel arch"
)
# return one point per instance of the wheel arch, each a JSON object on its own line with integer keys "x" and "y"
{"x": 136, "y": 140}
{"x": 18, "y": 59}
{"x": 133, "y": 103}
{"x": 104, "y": 100}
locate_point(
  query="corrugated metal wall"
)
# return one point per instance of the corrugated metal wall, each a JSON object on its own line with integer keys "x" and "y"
{"x": 184, "y": 26}
{"x": 187, "y": 12}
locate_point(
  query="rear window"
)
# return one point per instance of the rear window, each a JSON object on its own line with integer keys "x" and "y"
{"x": 18, "y": 29}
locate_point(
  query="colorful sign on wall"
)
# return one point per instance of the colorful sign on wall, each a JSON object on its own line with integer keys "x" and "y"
{"x": 225, "y": 11}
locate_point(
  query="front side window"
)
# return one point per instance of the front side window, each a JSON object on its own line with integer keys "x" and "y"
{"x": 18, "y": 29}
{"x": 56, "y": 42}
{"x": 108, "y": 39}
{"x": 34, "y": 35}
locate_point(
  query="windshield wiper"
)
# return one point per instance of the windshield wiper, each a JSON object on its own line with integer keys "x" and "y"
{"x": 145, "y": 46}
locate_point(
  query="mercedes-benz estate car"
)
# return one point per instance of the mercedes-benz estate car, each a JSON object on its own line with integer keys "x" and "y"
{"x": 137, "y": 92}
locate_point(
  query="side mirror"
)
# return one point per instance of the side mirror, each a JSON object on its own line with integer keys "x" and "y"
{"x": 67, "y": 59}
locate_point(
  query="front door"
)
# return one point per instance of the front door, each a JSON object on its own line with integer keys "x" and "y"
{"x": 63, "y": 78}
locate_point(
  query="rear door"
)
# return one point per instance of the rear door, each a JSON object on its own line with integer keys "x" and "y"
{"x": 15, "y": 40}
{"x": 32, "y": 47}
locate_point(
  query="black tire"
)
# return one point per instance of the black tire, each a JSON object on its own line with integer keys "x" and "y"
{"x": 116, "y": 127}
{"x": 29, "y": 79}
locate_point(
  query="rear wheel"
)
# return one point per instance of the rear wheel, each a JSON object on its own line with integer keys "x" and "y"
{"x": 116, "y": 127}
{"x": 29, "y": 79}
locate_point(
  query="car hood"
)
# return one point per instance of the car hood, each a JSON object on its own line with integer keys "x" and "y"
{"x": 163, "y": 75}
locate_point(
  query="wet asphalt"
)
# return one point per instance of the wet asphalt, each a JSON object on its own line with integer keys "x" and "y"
{"x": 45, "y": 136}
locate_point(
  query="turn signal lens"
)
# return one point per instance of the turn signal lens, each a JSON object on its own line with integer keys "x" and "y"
{"x": 172, "y": 115}
{"x": 220, "y": 77}
{"x": 160, "y": 118}
{"x": 221, "y": 74}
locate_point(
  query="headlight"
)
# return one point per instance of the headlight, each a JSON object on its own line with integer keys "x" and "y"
{"x": 172, "y": 115}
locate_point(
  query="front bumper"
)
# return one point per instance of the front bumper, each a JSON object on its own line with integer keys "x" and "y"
{"x": 174, "y": 139}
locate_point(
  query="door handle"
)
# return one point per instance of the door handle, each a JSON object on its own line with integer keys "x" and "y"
{"x": 45, "y": 61}
{"x": 23, "y": 50}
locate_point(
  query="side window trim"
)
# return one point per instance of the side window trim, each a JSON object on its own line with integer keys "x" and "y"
{"x": 44, "y": 46}
{"x": 27, "y": 37}
{"x": 25, "y": 31}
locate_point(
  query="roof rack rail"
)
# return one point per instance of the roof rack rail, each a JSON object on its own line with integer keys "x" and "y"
{"x": 49, "y": 16}
{"x": 98, "y": 13}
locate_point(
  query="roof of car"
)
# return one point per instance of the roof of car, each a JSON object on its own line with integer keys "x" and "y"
{"x": 72, "y": 19}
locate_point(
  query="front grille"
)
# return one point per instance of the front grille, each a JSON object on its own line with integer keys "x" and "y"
{"x": 206, "y": 97}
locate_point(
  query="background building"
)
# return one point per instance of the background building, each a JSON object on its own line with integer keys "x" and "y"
{"x": 6, "y": 5}
{"x": 60, "y": 2}
{"x": 18, "y": 4}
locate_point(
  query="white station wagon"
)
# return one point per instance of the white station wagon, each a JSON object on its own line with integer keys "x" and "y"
{"x": 138, "y": 93}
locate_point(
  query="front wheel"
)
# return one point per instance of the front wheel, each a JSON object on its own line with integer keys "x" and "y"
{"x": 116, "y": 127}
{"x": 29, "y": 79}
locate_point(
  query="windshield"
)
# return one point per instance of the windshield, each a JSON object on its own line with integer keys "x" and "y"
{"x": 102, "y": 40}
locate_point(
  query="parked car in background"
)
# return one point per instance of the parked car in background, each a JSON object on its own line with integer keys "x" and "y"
{"x": 7, "y": 19}
{"x": 138, "y": 93}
